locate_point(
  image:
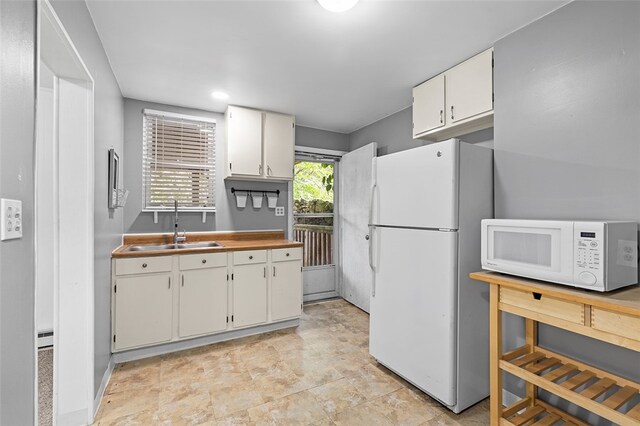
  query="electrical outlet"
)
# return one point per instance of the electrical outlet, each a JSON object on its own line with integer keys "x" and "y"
{"x": 11, "y": 225}
{"x": 279, "y": 210}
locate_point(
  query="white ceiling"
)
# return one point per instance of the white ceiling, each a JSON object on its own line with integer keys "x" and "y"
{"x": 333, "y": 71}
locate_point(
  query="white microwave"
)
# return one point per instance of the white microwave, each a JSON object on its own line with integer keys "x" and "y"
{"x": 601, "y": 256}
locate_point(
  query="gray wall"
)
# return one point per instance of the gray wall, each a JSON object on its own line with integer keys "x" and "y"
{"x": 108, "y": 134}
{"x": 567, "y": 135}
{"x": 227, "y": 216}
{"x": 316, "y": 138}
{"x": 17, "y": 282}
{"x": 394, "y": 133}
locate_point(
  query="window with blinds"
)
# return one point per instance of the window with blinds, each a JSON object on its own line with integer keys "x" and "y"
{"x": 178, "y": 162}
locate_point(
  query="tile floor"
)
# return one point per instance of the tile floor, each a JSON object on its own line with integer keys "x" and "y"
{"x": 319, "y": 373}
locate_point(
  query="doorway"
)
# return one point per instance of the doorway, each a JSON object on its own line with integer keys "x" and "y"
{"x": 64, "y": 224}
{"x": 314, "y": 210}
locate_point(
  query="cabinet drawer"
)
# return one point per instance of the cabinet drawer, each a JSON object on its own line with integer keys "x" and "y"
{"x": 248, "y": 257}
{"x": 293, "y": 253}
{"x": 543, "y": 304}
{"x": 616, "y": 323}
{"x": 143, "y": 265}
{"x": 201, "y": 261}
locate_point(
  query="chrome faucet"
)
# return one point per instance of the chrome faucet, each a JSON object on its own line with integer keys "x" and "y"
{"x": 177, "y": 238}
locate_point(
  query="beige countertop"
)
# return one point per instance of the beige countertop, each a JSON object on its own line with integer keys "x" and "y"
{"x": 229, "y": 241}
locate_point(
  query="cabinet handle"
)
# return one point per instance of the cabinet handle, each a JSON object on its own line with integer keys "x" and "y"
{"x": 169, "y": 282}
{"x": 250, "y": 257}
{"x": 144, "y": 265}
{"x": 204, "y": 260}
{"x": 265, "y": 272}
{"x": 274, "y": 271}
{"x": 452, "y": 112}
{"x": 441, "y": 115}
{"x": 287, "y": 254}
{"x": 182, "y": 280}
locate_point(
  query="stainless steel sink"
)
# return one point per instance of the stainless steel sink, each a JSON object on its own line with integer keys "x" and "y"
{"x": 206, "y": 244}
{"x": 151, "y": 247}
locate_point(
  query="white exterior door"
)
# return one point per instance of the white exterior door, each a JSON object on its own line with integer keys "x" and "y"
{"x": 418, "y": 187}
{"x": 413, "y": 307}
{"x": 249, "y": 294}
{"x": 244, "y": 133}
{"x": 286, "y": 290}
{"x": 203, "y": 301}
{"x": 144, "y": 307}
{"x": 356, "y": 181}
{"x": 279, "y": 150}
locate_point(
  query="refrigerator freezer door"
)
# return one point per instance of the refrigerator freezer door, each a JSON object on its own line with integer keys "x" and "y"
{"x": 418, "y": 188}
{"x": 413, "y": 312}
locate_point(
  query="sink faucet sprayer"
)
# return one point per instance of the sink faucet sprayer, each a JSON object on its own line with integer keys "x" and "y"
{"x": 176, "y": 238}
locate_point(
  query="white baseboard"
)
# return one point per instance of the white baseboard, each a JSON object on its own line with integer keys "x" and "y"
{"x": 45, "y": 341}
{"x": 320, "y": 296}
{"x": 73, "y": 418}
{"x": 103, "y": 387}
{"x": 135, "y": 354}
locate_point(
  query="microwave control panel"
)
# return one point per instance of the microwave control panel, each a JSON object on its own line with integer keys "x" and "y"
{"x": 589, "y": 242}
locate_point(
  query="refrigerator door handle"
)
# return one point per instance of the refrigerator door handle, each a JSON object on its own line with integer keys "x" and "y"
{"x": 372, "y": 230}
{"x": 373, "y": 189}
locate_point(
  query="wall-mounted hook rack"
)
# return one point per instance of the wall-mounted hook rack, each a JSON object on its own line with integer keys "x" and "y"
{"x": 256, "y": 196}
{"x": 251, "y": 191}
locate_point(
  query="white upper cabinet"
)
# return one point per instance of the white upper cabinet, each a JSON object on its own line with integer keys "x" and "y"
{"x": 456, "y": 102}
{"x": 244, "y": 142}
{"x": 470, "y": 87}
{"x": 260, "y": 145}
{"x": 279, "y": 136}
{"x": 428, "y": 105}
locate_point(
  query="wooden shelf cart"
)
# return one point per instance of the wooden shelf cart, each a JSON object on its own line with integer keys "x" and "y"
{"x": 610, "y": 317}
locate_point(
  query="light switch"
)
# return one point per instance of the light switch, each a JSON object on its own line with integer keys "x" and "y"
{"x": 279, "y": 210}
{"x": 11, "y": 225}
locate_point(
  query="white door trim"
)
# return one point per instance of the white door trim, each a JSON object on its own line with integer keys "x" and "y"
{"x": 73, "y": 387}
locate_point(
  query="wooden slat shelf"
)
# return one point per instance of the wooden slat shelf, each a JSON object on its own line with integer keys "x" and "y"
{"x": 611, "y": 317}
{"x": 538, "y": 414}
{"x": 580, "y": 386}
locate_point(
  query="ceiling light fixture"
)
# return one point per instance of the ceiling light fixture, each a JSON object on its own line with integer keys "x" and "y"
{"x": 222, "y": 96}
{"x": 337, "y": 5}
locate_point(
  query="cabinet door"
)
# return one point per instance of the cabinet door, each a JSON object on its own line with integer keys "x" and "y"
{"x": 428, "y": 105}
{"x": 203, "y": 301}
{"x": 279, "y": 137}
{"x": 249, "y": 294}
{"x": 286, "y": 290}
{"x": 470, "y": 87}
{"x": 244, "y": 141}
{"x": 143, "y": 310}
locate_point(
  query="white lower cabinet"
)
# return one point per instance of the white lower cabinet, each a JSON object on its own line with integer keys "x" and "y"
{"x": 143, "y": 310}
{"x": 203, "y": 301}
{"x": 286, "y": 284}
{"x": 170, "y": 298}
{"x": 249, "y": 294}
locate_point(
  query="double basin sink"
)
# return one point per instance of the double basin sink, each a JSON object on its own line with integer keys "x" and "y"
{"x": 152, "y": 247}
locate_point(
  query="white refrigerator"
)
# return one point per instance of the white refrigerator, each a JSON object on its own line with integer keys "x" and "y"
{"x": 429, "y": 321}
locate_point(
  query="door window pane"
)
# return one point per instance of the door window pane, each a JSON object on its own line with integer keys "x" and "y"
{"x": 313, "y": 211}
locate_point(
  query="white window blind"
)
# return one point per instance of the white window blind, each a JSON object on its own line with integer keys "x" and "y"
{"x": 178, "y": 162}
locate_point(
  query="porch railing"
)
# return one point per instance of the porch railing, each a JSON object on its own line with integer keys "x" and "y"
{"x": 318, "y": 243}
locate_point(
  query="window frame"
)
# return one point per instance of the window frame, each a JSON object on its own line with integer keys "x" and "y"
{"x": 172, "y": 115}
